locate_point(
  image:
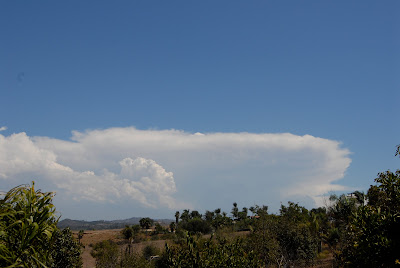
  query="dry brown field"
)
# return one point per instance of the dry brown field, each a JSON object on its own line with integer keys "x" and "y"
{"x": 93, "y": 237}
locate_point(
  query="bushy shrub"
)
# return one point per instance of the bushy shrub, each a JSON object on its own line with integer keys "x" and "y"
{"x": 149, "y": 251}
{"x": 196, "y": 225}
{"x": 106, "y": 254}
{"x": 66, "y": 251}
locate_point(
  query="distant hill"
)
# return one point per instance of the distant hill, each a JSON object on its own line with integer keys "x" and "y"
{"x": 101, "y": 225}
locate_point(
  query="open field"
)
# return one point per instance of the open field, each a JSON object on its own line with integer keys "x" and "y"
{"x": 93, "y": 237}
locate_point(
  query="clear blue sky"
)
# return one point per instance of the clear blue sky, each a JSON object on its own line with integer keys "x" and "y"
{"x": 329, "y": 69}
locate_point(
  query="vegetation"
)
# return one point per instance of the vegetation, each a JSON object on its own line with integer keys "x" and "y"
{"x": 66, "y": 251}
{"x": 146, "y": 223}
{"x": 29, "y": 236}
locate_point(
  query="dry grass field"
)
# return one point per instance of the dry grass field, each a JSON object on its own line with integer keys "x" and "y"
{"x": 93, "y": 237}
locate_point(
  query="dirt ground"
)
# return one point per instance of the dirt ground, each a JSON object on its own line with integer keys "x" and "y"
{"x": 93, "y": 237}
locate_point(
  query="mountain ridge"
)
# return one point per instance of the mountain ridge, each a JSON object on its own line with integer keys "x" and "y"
{"x": 103, "y": 224}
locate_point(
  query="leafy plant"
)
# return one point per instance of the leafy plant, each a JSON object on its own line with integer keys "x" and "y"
{"x": 27, "y": 227}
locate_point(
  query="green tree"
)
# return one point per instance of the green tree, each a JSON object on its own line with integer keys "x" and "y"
{"x": 371, "y": 229}
{"x": 127, "y": 232}
{"x": 195, "y": 214}
{"x": 263, "y": 239}
{"x": 66, "y": 251}
{"x": 80, "y": 235}
{"x": 172, "y": 226}
{"x": 242, "y": 215}
{"x": 27, "y": 227}
{"x": 196, "y": 225}
{"x": 146, "y": 223}
{"x": 235, "y": 211}
{"x": 177, "y": 217}
{"x": 209, "y": 216}
{"x": 135, "y": 229}
{"x": 185, "y": 216}
{"x": 374, "y": 231}
{"x": 158, "y": 228}
{"x": 296, "y": 241}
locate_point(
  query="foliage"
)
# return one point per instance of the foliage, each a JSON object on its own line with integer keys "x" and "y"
{"x": 177, "y": 217}
{"x": 27, "y": 224}
{"x": 136, "y": 228}
{"x": 66, "y": 251}
{"x": 133, "y": 260}
{"x": 127, "y": 232}
{"x": 106, "y": 254}
{"x": 185, "y": 216}
{"x": 235, "y": 211}
{"x": 286, "y": 239}
{"x": 159, "y": 229}
{"x": 367, "y": 234}
{"x": 172, "y": 226}
{"x": 29, "y": 236}
{"x": 209, "y": 253}
{"x": 264, "y": 240}
{"x": 149, "y": 251}
{"x": 80, "y": 235}
{"x": 196, "y": 225}
{"x": 374, "y": 231}
{"x": 146, "y": 223}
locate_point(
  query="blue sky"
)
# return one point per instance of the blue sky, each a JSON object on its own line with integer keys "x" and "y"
{"x": 123, "y": 72}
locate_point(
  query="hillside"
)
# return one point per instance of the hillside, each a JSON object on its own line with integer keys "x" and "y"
{"x": 102, "y": 225}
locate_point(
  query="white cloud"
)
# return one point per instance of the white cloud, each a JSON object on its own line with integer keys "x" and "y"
{"x": 3, "y": 128}
{"x": 174, "y": 169}
{"x": 140, "y": 179}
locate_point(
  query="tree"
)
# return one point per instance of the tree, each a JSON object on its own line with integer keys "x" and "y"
{"x": 217, "y": 211}
{"x": 128, "y": 234}
{"x": 235, "y": 211}
{"x": 177, "y": 217}
{"x": 296, "y": 241}
{"x": 159, "y": 228}
{"x": 374, "y": 231}
{"x": 135, "y": 229}
{"x": 27, "y": 224}
{"x": 146, "y": 223}
{"x": 243, "y": 214}
{"x": 195, "y": 214}
{"x": 196, "y": 225}
{"x": 185, "y": 215}
{"x": 172, "y": 226}
{"x": 66, "y": 251}
{"x": 209, "y": 216}
{"x": 80, "y": 235}
{"x": 29, "y": 236}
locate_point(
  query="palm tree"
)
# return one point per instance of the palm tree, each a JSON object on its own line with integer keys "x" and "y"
{"x": 80, "y": 235}
{"x": 235, "y": 211}
{"x": 177, "y": 217}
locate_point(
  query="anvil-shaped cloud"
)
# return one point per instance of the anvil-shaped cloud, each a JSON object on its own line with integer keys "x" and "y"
{"x": 173, "y": 169}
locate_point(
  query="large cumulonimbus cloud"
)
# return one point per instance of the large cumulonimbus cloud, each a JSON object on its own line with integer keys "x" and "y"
{"x": 174, "y": 169}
